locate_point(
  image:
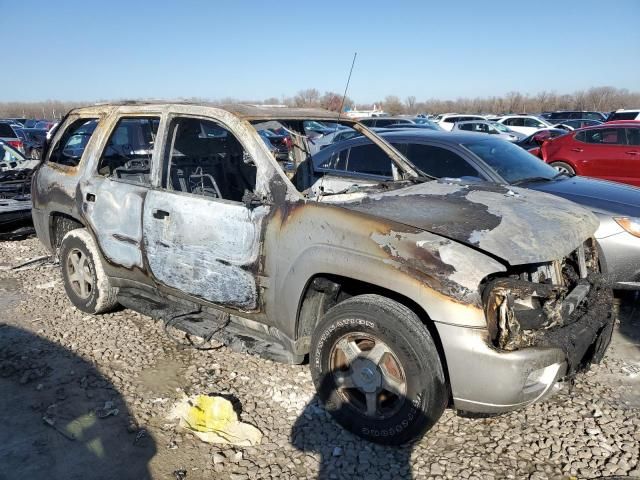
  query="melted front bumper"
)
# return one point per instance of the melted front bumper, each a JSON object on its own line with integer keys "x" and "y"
{"x": 486, "y": 378}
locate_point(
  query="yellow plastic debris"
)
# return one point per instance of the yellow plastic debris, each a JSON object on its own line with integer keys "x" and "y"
{"x": 213, "y": 420}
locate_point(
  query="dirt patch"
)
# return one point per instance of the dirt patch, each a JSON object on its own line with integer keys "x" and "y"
{"x": 9, "y": 293}
{"x": 164, "y": 378}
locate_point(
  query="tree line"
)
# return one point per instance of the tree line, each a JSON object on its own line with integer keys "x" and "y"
{"x": 602, "y": 99}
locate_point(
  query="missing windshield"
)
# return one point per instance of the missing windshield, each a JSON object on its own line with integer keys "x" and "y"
{"x": 329, "y": 158}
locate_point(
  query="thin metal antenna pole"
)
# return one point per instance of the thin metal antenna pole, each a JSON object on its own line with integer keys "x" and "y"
{"x": 344, "y": 96}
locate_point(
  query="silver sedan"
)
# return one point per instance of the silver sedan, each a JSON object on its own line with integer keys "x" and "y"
{"x": 489, "y": 128}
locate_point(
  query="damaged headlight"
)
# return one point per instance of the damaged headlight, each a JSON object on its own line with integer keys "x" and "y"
{"x": 516, "y": 308}
{"x": 536, "y": 298}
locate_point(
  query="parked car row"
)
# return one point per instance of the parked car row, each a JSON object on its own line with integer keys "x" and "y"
{"x": 26, "y": 135}
{"x": 15, "y": 190}
{"x": 607, "y": 151}
{"x": 583, "y": 146}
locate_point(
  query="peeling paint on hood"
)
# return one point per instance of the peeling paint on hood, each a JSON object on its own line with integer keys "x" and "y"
{"x": 518, "y": 225}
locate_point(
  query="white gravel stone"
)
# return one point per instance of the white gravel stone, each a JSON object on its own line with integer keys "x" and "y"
{"x": 590, "y": 431}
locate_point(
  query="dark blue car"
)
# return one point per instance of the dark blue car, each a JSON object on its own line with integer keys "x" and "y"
{"x": 478, "y": 159}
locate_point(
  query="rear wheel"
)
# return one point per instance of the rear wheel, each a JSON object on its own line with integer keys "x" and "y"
{"x": 85, "y": 281}
{"x": 563, "y": 167}
{"x": 377, "y": 370}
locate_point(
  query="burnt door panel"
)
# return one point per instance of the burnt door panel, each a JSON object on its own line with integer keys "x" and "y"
{"x": 113, "y": 198}
{"x": 114, "y": 212}
{"x": 207, "y": 248}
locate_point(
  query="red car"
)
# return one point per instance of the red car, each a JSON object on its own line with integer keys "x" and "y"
{"x": 610, "y": 152}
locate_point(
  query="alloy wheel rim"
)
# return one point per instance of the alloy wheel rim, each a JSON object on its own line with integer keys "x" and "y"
{"x": 561, "y": 169}
{"x": 368, "y": 376}
{"x": 80, "y": 273}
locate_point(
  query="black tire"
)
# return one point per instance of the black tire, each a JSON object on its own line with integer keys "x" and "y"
{"x": 85, "y": 281}
{"x": 382, "y": 324}
{"x": 563, "y": 167}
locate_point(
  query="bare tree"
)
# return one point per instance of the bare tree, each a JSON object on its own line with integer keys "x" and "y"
{"x": 392, "y": 105}
{"x": 579, "y": 100}
{"x": 602, "y": 99}
{"x": 410, "y": 101}
{"x": 543, "y": 101}
{"x": 514, "y": 101}
{"x": 333, "y": 101}
{"x": 307, "y": 98}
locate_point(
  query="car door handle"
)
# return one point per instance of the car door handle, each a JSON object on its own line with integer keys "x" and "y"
{"x": 576, "y": 150}
{"x": 633, "y": 152}
{"x": 160, "y": 214}
{"x": 90, "y": 197}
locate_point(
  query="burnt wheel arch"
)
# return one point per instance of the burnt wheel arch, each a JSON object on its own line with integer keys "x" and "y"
{"x": 59, "y": 225}
{"x": 323, "y": 291}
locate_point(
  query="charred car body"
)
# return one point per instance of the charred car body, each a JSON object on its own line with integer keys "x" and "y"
{"x": 15, "y": 197}
{"x": 406, "y": 295}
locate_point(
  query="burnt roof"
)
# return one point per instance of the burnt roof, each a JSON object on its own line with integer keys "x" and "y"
{"x": 245, "y": 111}
{"x": 274, "y": 112}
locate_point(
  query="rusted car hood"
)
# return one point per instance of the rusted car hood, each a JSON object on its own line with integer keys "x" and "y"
{"x": 517, "y": 225}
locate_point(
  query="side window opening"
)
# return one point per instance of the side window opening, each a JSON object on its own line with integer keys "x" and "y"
{"x": 387, "y": 121}
{"x": 633, "y": 136}
{"x": 581, "y": 137}
{"x": 127, "y": 154}
{"x": 6, "y": 130}
{"x": 440, "y": 162}
{"x": 336, "y": 161}
{"x": 206, "y": 159}
{"x": 69, "y": 149}
{"x": 607, "y": 136}
{"x": 369, "y": 159}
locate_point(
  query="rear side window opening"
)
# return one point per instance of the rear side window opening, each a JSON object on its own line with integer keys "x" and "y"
{"x": 437, "y": 161}
{"x": 70, "y": 147}
{"x": 360, "y": 158}
{"x": 127, "y": 154}
{"x": 602, "y": 136}
{"x": 6, "y": 131}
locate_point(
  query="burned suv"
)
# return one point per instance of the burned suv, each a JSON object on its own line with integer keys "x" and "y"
{"x": 406, "y": 295}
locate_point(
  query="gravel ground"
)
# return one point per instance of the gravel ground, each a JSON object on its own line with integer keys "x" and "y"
{"x": 125, "y": 358}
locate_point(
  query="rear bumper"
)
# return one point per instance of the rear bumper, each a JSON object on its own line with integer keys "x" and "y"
{"x": 485, "y": 379}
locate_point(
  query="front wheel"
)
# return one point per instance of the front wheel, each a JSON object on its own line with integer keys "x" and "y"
{"x": 377, "y": 370}
{"x": 563, "y": 167}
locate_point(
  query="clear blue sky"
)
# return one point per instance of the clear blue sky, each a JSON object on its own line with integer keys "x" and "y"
{"x": 90, "y": 50}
